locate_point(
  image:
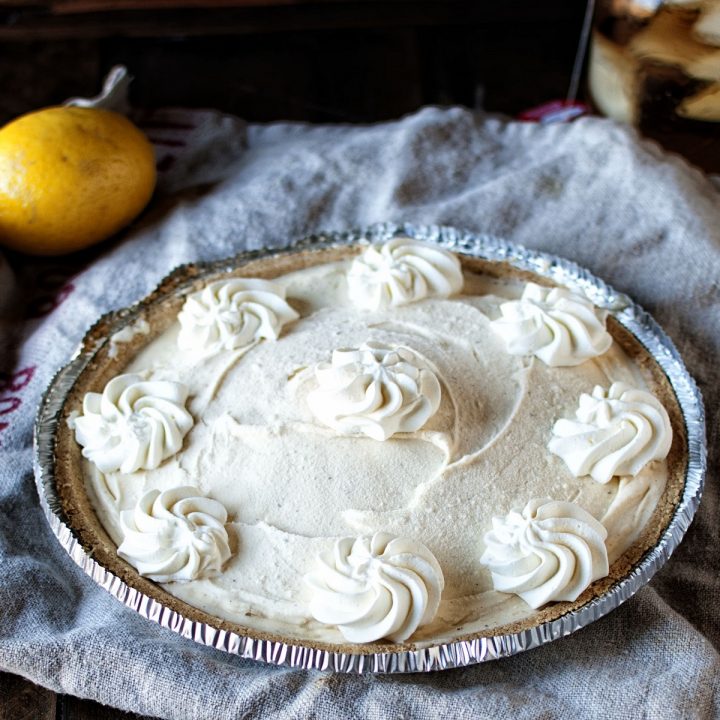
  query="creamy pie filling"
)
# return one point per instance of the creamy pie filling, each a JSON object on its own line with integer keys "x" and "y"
{"x": 292, "y": 486}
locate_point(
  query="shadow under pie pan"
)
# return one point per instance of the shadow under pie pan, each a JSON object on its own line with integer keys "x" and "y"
{"x": 67, "y": 506}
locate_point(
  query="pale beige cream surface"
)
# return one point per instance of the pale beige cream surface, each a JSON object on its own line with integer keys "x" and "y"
{"x": 291, "y": 487}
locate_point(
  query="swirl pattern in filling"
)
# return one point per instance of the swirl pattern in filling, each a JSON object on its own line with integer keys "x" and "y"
{"x": 551, "y": 551}
{"x": 175, "y": 536}
{"x": 135, "y": 424}
{"x": 379, "y": 587}
{"x": 375, "y": 390}
{"x": 400, "y": 272}
{"x": 558, "y": 326}
{"x": 233, "y": 314}
{"x": 617, "y": 432}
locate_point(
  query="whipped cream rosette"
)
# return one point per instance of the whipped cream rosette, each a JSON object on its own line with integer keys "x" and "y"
{"x": 551, "y": 551}
{"x": 379, "y": 587}
{"x": 233, "y": 314}
{"x": 618, "y": 431}
{"x": 558, "y": 326}
{"x": 175, "y": 536}
{"x": 375, "y": 390}
{"x": 134, "y": 424}
{"x": 402, "y": 271}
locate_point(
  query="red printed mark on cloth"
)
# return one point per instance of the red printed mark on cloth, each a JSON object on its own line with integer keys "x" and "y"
{"x": 52, "y": 289}
{"x": 13, "y": 383}
{"x": 164, "y": 133}
{"x": 168, "y": 142}
{"x": 160, "y": 124}
{"x": 555, "y": 111}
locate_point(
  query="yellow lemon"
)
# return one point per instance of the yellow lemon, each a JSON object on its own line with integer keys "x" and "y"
{"x": 70, "y": 177}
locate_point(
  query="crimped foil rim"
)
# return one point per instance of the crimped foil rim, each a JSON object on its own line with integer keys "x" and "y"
{"x": 445, "y": 655}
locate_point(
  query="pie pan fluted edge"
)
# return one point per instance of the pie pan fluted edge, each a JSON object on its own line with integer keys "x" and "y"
{"x": 377, "y": 658}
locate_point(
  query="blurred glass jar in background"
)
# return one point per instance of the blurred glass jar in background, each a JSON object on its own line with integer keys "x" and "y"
{"x": 656, "y": 64}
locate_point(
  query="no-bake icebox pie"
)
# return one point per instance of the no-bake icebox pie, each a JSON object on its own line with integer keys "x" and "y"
{"x": 371, "y": 446}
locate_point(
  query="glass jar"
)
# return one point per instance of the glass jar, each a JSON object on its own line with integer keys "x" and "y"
{"x": 656, "y": 65}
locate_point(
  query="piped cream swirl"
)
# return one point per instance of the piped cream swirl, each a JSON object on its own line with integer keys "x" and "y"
{"x": 375, "y": 390}
{"x": 400, "y": 272}
{"x": 550, "y": 552}
{"x": 135, "y": 424}
{"x": 175, "y": 536}
{"x": 617, "y": 432}
{"x": 233, "y": 314}
{"x": 558, "y": 326}
{"x": 379, "y": 587}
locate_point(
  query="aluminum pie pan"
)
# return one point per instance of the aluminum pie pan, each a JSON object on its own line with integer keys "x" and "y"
{"x": 440, "y": 656}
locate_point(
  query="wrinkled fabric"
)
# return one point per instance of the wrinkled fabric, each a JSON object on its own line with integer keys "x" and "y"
{"x": 642, "y": 220}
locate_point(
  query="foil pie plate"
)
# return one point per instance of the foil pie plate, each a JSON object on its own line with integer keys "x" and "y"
{"x": 444, "y": 655}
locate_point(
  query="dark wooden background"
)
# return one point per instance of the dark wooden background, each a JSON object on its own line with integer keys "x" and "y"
{"x": 330, "y": 61}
